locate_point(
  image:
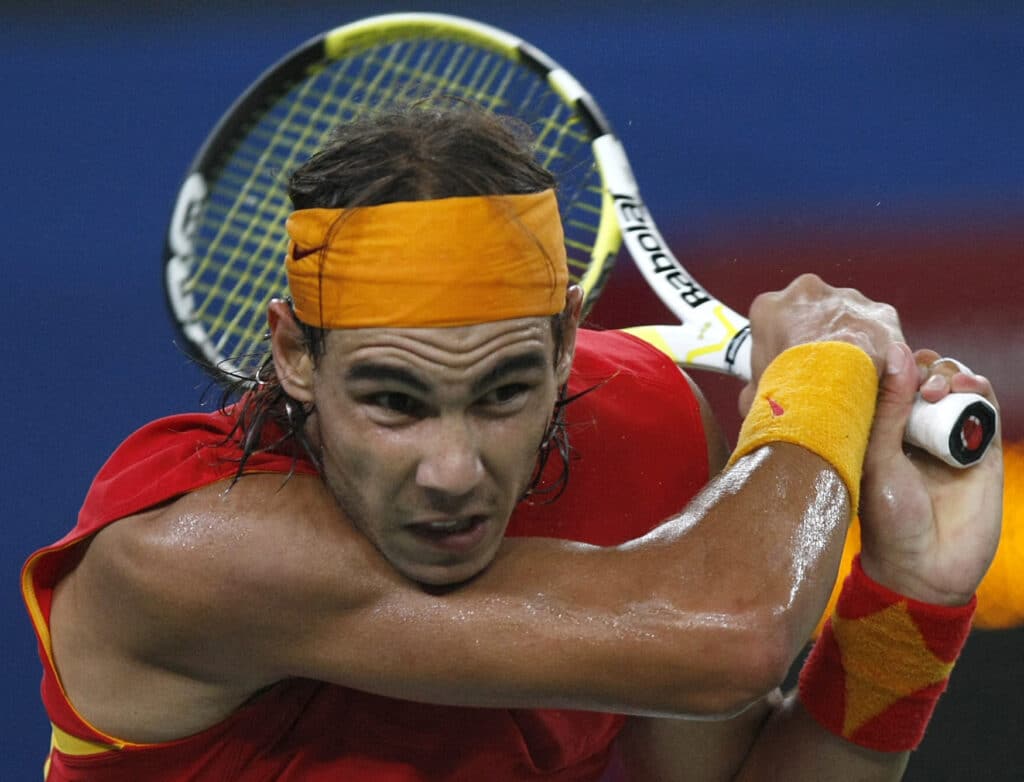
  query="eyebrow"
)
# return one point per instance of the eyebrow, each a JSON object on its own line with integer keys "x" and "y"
{"x": 377, "y": 372}
{"x": 385, "y": 372}
{"x": 521, "y": 363}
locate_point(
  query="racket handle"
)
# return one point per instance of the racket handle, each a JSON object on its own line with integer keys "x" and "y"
{"x": 957, "y": 429}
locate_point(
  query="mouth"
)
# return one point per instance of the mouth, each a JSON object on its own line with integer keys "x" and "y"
{"x": 455, "y": 535}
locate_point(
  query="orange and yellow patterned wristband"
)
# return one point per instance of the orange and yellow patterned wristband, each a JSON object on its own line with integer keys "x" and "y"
{"x": 880, "y": 664}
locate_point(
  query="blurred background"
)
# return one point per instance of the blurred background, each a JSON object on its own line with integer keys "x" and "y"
{"x": 876, "y": 144}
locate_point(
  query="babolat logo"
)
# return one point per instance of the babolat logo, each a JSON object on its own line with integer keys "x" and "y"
{"x": 644, "y": 238}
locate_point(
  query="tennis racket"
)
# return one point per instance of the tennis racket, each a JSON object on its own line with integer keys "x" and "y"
{"x": 226, "y": 243}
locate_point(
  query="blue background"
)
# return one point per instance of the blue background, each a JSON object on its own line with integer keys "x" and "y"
{"x": 878, "y": 146}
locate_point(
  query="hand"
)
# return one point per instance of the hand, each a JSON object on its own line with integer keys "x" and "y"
{"x": 929, "y": 531}
{"x": 810, "y": 310}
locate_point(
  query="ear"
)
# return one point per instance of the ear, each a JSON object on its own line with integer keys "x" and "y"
{"x": 292, "y": 359}
{"x": 570, "y": 324}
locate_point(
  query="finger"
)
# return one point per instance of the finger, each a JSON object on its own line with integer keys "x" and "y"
{"x": 974, "y": 384}
{"x": 952, "y": 365}
{"x": 942, "y": 375}
{"x": 896, "y": 393}
{"x": 924, "y": 359}
{"x": 936, "y": 372}
{"x": 935, "y": 387}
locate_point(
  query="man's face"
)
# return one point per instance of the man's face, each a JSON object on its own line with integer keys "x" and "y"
{"x": 429, "y": 436}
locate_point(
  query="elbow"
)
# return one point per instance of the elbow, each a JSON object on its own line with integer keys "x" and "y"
{"x": 758, "y": 668}
{"x": 758, "y": 651}
{"x": 745, "y": 667}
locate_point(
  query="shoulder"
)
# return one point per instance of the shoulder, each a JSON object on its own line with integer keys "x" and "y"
{"x": 229, "y": 543}
{"x": 622, "y": 378}
{"x": 649, "y": 392}
{"x": 202, "y": 563}
{"x": 197, "y": 602}
{"x": 226, "y": 567}
{"x": 635, "y": 422}
{"x": 605, "y": 354}
{"x": 169, "y": 457}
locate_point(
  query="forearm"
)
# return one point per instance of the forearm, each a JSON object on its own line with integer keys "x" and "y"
{"x": 776, "y": 739}
{"x": 792, "y": 745}
{"x": 867, "y": 689}
{"x": 751, "y": 563}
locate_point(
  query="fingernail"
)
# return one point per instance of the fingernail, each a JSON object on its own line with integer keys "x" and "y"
{"x": 934, "y": 383}
{"x": 895, "y": 359}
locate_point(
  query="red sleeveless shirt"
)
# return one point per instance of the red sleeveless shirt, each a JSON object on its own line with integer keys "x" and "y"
{"x": 640, "y": 456}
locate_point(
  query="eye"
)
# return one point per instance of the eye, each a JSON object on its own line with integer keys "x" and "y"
{"x": 397, "y": 403}
{"x": 507, "y": 394}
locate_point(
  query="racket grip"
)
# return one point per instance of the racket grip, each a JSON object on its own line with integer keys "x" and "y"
{"x": 957, "y": 429}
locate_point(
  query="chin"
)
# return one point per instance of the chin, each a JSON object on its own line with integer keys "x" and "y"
{"x": 449, "y": 572}
{"x": 448, "y": 562}
{"x": 442, "y": 576}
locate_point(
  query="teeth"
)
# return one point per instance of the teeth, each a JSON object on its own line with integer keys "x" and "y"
{"x": 457, "y": 525}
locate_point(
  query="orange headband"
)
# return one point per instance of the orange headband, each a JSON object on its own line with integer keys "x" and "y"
{"x": 446, "y": 262}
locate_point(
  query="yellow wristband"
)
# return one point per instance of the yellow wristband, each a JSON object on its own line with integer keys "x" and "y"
{"x": 821, "y": 396}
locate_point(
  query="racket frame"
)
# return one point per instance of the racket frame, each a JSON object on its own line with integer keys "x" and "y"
{"x": 711, "y": 336}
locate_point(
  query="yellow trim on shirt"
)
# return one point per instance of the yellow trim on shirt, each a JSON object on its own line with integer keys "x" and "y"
{"x": 72, "y": 745}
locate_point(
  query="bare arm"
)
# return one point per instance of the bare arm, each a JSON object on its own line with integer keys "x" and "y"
{"x": 549, "y": 623}
{"x": 775, "y": 739}
{"x": 223, "y": 593}
{"x": 922, "y": 516}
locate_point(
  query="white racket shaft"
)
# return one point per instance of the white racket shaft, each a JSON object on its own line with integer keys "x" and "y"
{"x": 957, "y": 430}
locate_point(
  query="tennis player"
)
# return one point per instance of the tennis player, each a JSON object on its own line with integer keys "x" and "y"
{"x": 450, "y": 535}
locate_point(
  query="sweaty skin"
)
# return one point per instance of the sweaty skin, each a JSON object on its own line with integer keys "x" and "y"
{"x": 223, "y": 593}
{"x": 925, "y": 518}
{"x": 423, "y": 431}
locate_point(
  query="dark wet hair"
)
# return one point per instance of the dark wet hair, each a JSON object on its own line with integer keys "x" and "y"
{"x": 423, "y": 151}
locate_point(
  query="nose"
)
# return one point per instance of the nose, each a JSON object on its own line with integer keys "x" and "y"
{"x": 450, "y": 462}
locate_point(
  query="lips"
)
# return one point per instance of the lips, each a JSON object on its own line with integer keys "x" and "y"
{"x": 448, "y": 526}
{"x": 455, "y": 534}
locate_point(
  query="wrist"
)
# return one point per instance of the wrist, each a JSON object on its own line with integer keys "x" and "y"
{"x": 905, "y": 581}
{"x": 820, "y": 396}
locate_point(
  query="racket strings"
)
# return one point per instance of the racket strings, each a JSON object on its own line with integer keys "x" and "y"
{"x": 241, "y": 241}
{"x": 258, "y": 203}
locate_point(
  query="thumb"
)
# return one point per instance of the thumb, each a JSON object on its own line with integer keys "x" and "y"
{"x": 896, "y": 393}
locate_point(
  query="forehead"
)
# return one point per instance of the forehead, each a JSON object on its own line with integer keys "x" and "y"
{"x": 460, "y": 349}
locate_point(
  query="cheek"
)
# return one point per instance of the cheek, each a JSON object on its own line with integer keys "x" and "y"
{"x": 364, "y": 455}
{"x": 359, "y": 461}
{"x": 515, "y": 444}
